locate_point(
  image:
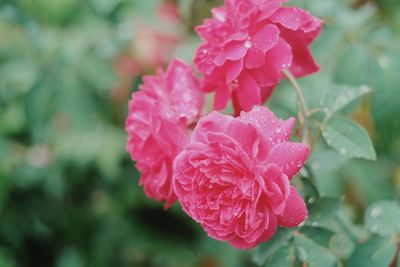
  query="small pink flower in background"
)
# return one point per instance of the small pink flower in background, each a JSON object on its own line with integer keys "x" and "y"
{"x": 248, "y": 43}
{"x": 126, "y": 70}
{"x": 153, "y": 45}
{"x": 234, "y": 176}
{"x": 169, "y": 12}
{"x": 157, "y": 125}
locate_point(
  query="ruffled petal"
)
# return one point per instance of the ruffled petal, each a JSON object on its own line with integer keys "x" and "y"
{"x": 233, "y": 70}
{"x": 255, "y": 58}
{"x": 269, "y": 230}
{"x": 266, "y": 38}
{"x": 290, "y": 157}
{"x": 277, "y": 59}
{"x": 222, "y": 96}
{"x": 248, "y": 92}
{"x": 213, "y": 122}
{"x": 295, "y": 210}
{"x": 232, "y": 51}
{"x": 299, "y": 29}
{"x": 244, "y": 133}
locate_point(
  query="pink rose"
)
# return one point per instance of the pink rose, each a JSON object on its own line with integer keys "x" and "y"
{"x": 157, "y": 125}
{"x": 234, "y": 176}
{"x": 246, "y": 46}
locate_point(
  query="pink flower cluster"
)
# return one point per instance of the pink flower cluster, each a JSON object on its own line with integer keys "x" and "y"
{"x": 246, "y": 46}
{"x": 230, "y": 174}
{"x": 157, "y": 125}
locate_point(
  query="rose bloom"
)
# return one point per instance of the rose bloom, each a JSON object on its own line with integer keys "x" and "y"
{"x": 248, "y": 43}
{"x": 157, "y": 121}
{"x": 234, "y": 176}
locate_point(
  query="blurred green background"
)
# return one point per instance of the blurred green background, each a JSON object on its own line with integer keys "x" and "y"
{"x": 68, "y": 190}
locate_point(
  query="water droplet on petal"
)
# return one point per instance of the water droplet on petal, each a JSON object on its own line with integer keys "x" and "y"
{"x": 248, "y": 44}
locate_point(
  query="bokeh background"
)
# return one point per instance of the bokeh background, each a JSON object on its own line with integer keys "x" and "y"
{"x": 69, "y": 194}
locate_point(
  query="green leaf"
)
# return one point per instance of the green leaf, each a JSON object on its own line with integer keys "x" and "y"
{"x": 348, "y": 138}
{"x": 383, "y": 218}
{"x": 340, "y": 96}
{"x": 324, "y": 159}
{"x": 319, "y": 235}
{"x": 6, "y": 259}
{"x": 283, "y": 257}
{"x": 266, "y": 249}
{"x": 312, "y": 253}
{"x": 70, "y": 258}
{"x": 323, "y": 210}
{"x": 376, "y": 251}
{"x": 385, "y": 105}
{"x": 105, "y": 7}
{"x": 310, "y": 189}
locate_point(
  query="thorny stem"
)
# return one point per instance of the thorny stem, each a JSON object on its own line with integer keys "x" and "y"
{"x": 303, "y": 112}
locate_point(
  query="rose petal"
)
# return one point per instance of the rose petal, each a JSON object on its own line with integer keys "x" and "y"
{"x": 213, "y": 122}
{"x": 295, "y": 210}
{"x": 299, "y": 29}
{"x": 278, "y": 58}
{"x": 270, "y": 230}
{"x": 292, "y": 18}
{"x": 255, "y": 58}
{"x": 290, "y": 157}
{"x": 262, "y": 118}
{"x": 248, "y": 92}
{"x": 233, "y": 69}
{"x": 232, "y": 51}
{"x": 222, "y": 95}
{"x": 282, "y": 131}
{"x": 266, "y": 38}
{"x": 244, "y": 133}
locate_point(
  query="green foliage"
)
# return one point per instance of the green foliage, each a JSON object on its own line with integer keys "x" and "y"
{"x": 374, "y": 252}
{"x": 323, "y": 210}
{"x": 348, "y": 138}
{"x": 339, "y": 97}
{"x": 267, "y": 249}
{"x": 309, "y": 245}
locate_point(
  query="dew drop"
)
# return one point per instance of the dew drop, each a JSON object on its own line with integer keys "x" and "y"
{"x": 343, "y": 151}
{"x": 315, "y": 165}
{"x": 248, "y": 44}
{"x": 375, "y": 213}
{"x": 364, "y": 88}
{"x": 220, "y": 16}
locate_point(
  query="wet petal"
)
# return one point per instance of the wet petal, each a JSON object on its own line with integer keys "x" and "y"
{"x": 290, "y": 157}
{"x": 266, "y": 38}
{"x": 295, "y": 210}
{"x": 248, "y": 92}
{"x": 232, "y": 51}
